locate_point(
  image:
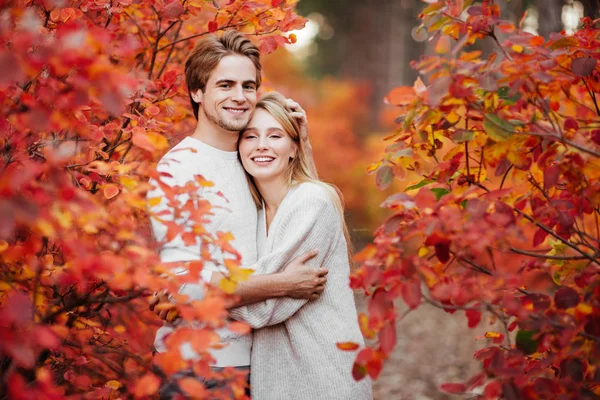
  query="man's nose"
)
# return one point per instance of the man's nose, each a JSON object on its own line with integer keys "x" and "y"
{"x": 238, "y": 93}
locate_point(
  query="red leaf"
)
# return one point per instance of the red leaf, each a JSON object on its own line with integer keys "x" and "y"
{"x": 17, "y": 310}
{"x": 411, "y": 293}
{"x": 347, "y": 346}
{"x": 551, "y": 175}
{"x": 173, "y": 10}
{"x": 473, "y": 316}
{"x": 11, "y": 69}
{"x": 442, "y": 251}
{"x": 571, "y": 123}
{"x": 275, "y": 3}
{"x": 492, "y": 390}
{"x": 213, "y": 26}
{"x": 374, "y": 368}
{"x": 387, "y": 338}
{"x": 539, "y": 237}
{"x": 358, "y": 372}
{"x": 566, "y": 297}
{"x": 46, "y": 338}
{"x": 453, "y": 388}
{"x": 583, "y": 66}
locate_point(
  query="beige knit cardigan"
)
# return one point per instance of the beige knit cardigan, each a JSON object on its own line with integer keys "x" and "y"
{"x": 294, "y": 353}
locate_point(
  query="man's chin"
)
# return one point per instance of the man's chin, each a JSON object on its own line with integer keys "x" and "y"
{"x": 234, "y": 126}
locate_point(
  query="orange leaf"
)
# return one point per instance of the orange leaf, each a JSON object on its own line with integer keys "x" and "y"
{"x": 147, "y": 385}
{"x": 400, "y": 96}
{"x": 110, "y": 190}
{"x": 152, "y": 110}
{"x": 193, "y": 387}
{"x": 347, "y": 346}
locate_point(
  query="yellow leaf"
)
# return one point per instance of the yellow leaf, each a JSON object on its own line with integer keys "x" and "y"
{"x": 129, "y": 182}
{"x": 584, "y": 308}
{"x": 492, "y": 335}
{"x": 3, "y": 245}
{"x": 517, "y": 48}
{"x": 114, "y": 385}
{"x": 154, "y": 201}
{"x": 227, "y": 285}
{"x": 158, "y": 141}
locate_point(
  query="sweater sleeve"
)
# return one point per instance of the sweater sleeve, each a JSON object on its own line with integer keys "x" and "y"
{"x": 162, "y": 218}
{"x": 311, "y": 222}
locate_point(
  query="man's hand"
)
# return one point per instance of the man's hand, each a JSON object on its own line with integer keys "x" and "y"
{"x": 162, "y": 306}
{"x": 304, "y": 282}
{"x": 297, "y": 112}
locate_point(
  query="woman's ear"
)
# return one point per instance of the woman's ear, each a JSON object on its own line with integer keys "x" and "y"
{"x": 197, "y": 96}
{"x": 294, "y": 151}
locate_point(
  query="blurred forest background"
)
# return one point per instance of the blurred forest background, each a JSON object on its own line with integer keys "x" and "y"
{"x": 347, "y": 58}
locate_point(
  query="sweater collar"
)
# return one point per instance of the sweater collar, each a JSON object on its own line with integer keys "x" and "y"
{"x": 207, "y": 149}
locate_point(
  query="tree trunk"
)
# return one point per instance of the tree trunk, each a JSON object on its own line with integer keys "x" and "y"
{"x": 550, "y": 12}
{"x": 590, "y": 8}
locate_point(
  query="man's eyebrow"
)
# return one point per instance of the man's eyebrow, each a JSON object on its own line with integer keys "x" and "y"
{"x": 232, "y": 81}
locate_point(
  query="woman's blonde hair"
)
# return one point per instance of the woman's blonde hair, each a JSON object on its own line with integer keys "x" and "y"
{"x": 299, "y": 170}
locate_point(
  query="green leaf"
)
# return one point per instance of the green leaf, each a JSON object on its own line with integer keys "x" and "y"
{"x": 564, "y": 42}
{"x": 403, "y": 153}
{"x": 439, "y": 192}
{"x": 503, "y": 94}
{"x": 419, "y": 185}
{"x": 462, "y": 135}
{"x": 497, "y": 128}
{"x": 384, "y": 177}
{"x": 525, "y": 341}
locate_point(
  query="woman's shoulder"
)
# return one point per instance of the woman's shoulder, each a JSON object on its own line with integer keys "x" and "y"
{"x": 313, "y": 191}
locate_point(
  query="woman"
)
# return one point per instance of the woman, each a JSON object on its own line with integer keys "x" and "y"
{"x": 294, "y": 353}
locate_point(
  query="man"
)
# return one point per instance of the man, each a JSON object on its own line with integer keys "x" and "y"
{"x": 223, "y": 75}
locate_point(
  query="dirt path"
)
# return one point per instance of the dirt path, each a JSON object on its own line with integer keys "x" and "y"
{"x": 433, "y": 347}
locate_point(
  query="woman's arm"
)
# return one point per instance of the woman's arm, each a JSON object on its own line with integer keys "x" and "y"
{"x": 311, "y": 222}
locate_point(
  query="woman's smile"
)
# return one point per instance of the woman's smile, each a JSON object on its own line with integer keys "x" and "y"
{"x": 265, "y": 148}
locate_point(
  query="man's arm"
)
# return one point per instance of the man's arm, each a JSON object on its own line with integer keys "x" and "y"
{"x": 311, "y": 221}
{"x": 297, "y": 281}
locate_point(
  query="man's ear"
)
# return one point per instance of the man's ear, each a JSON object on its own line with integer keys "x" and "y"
{"x": 197, "y": 96}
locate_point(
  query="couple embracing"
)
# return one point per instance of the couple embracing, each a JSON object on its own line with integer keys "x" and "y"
{"x": 287, "y": 225}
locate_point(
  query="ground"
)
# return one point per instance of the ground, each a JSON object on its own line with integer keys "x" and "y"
{"x": 433, "y": 347}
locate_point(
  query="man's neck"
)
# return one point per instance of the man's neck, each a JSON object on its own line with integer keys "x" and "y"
{"x": 215, "y": 136}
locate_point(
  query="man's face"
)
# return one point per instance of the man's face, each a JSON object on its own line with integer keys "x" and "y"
{"x": 229, "y": 98}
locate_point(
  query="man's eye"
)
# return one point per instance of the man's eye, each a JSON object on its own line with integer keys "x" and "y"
{"x": 224, "y": 85}
{"x": 249, "y": 87}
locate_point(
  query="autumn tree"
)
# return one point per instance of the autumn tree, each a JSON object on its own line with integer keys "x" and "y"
{"x": 91, "y": 95}
{"x": 503, "y": 225}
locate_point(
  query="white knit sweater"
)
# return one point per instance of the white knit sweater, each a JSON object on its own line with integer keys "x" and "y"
{"x": 234, "y": 211}
{"x": 294, "y": 353}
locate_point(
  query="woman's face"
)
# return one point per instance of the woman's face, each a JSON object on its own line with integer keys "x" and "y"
{"x": 265, "y": 149}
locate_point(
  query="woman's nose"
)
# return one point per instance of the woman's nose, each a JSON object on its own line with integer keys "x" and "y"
{"x": 262, "y": 143}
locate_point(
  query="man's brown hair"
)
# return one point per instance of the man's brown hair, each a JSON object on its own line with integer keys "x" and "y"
{"x": 207, "y": 54}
